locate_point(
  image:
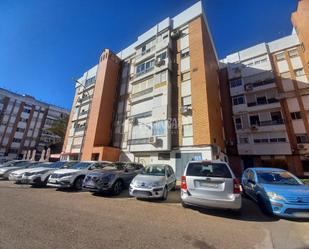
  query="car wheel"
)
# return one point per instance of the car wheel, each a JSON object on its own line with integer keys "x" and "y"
{"x": 118, "y": 187}
{"x": 44, "y": 183}
{"x": 263, "y": 206}
{"x": 165, "y": 194}
{"x": 184, "y": 204}
{"x": 78, "y": 184}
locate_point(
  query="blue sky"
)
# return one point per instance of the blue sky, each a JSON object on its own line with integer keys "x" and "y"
{"x": 45, "y": 43}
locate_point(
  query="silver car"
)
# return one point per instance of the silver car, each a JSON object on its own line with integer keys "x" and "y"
{"x": 74, "y": 176}
{"x": 16, "y": 175}
{"x": 210, "y": 184}
{"x": 14, "y": 165}
{"x": 154, "y": 182}
{"x": 38, "y": 176}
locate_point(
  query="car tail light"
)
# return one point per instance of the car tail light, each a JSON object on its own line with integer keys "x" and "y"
{"x": 183, "y": 183}
{"x": 237, "y": 186}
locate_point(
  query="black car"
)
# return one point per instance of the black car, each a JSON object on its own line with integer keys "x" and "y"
{"x": 112, "y": 178}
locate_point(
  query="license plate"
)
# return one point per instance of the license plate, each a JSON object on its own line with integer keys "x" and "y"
{"x": 24, "y": 180}
{"x": 209, "y": 185}
{"x": 302, "y": 214}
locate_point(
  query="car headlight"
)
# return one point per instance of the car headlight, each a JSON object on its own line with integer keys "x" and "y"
{"x": 274, "y": 196}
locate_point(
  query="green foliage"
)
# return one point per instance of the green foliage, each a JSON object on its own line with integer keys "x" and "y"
{"x": 59, "y": 127}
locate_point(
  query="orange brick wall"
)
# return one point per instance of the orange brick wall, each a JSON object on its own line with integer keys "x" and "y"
{"x": 102, "y": 108}
{"x": 300, "y": 20}
{"x": 207, "y": 123}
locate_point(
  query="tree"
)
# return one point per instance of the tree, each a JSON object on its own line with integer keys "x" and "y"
{"x": 58, "y": 128}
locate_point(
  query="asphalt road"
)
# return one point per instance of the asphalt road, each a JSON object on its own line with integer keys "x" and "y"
{"x": 45, "y": 218}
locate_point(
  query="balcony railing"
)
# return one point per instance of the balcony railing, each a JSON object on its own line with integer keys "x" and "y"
{"x": 269, "y": 101}
{"x": 272, "y": 122}
{"x": 143, "y": 72}
{"x": 147, "y": 51}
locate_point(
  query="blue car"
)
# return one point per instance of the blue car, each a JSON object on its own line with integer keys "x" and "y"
{"x": 277, "y": 192}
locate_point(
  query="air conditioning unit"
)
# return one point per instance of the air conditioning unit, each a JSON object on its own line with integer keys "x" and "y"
{"x": 175, "y": 34}
{"x": 249, "y": 87}
{"x": 153, "y": 140}
{"x": 159, "y": 62}
{"x": 185, "y": 109}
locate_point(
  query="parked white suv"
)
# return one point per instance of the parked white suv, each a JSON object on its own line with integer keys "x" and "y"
{"x": 210, "y": 184}
{"x": 74, "y": 176}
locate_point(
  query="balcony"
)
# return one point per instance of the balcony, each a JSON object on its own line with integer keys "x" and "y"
{"x": 262, "y": 105}
{"x": 265, "y": 149}
{"x": 145, "y": 54}
{"x": 142, "y": 74}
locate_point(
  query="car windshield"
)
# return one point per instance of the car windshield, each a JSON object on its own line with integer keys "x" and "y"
{"x": 61, "y": 165}
{"x": 277, "y": 177}
{"x": 208, "y": 169}
{"x": 81, "y": 165}
{"x": 115, "y": 166}
{"x": 15, "y": 163}
{"x": 155, "y": 170}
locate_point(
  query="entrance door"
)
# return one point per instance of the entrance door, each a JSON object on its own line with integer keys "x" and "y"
{"x": 182, "y": 159}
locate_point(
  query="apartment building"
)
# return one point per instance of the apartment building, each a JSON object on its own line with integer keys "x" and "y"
{"x": 156, "y": 101}
{"x": 269, "y": 94}
{"x": 24, "y": 123}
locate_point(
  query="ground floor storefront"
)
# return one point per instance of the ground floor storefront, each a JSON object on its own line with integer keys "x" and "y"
{"x": 177, "y": 158}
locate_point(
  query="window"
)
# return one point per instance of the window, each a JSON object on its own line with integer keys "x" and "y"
{"x": 20, "y": 129}
{"x": 184, "y": 53}
{"x": 238, "y": 100}
{"x": 280, "y": 57}
{"x": 276, "y": 117}
{"x": 299, "y": 72}
{"x": 162, "y": 56}
{"x": 293, "y": 53}
{"x": 187, "y": 130}
{"x": 144, "y": 67}
{"x": 185, "y": 76}
{"x": 261, "y": 100}
{"x": 186, "y": 101}
{"x": 16, "y": 140}
{"x": 164, "y": 156}
{"x": 26, "y": 110}
{"x": 238, "y": 123}
{"x": 260, "y": 140}
{"x": 208, "y": 169}
{"x": 235, "y": 82}
{"x": 243, "y": 140}
{"x": 23, "y": 120}
{"x": 158, "y": 128}
{"x": 254, "y": 120}
{"x": 302, "y": 138}
{"x": 295, "y": 115}
{"x": 277, "y": 140}
{"x": 90, "y": 81}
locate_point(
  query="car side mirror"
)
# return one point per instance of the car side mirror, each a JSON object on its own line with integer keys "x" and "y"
{"x": 251, "y": 181}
